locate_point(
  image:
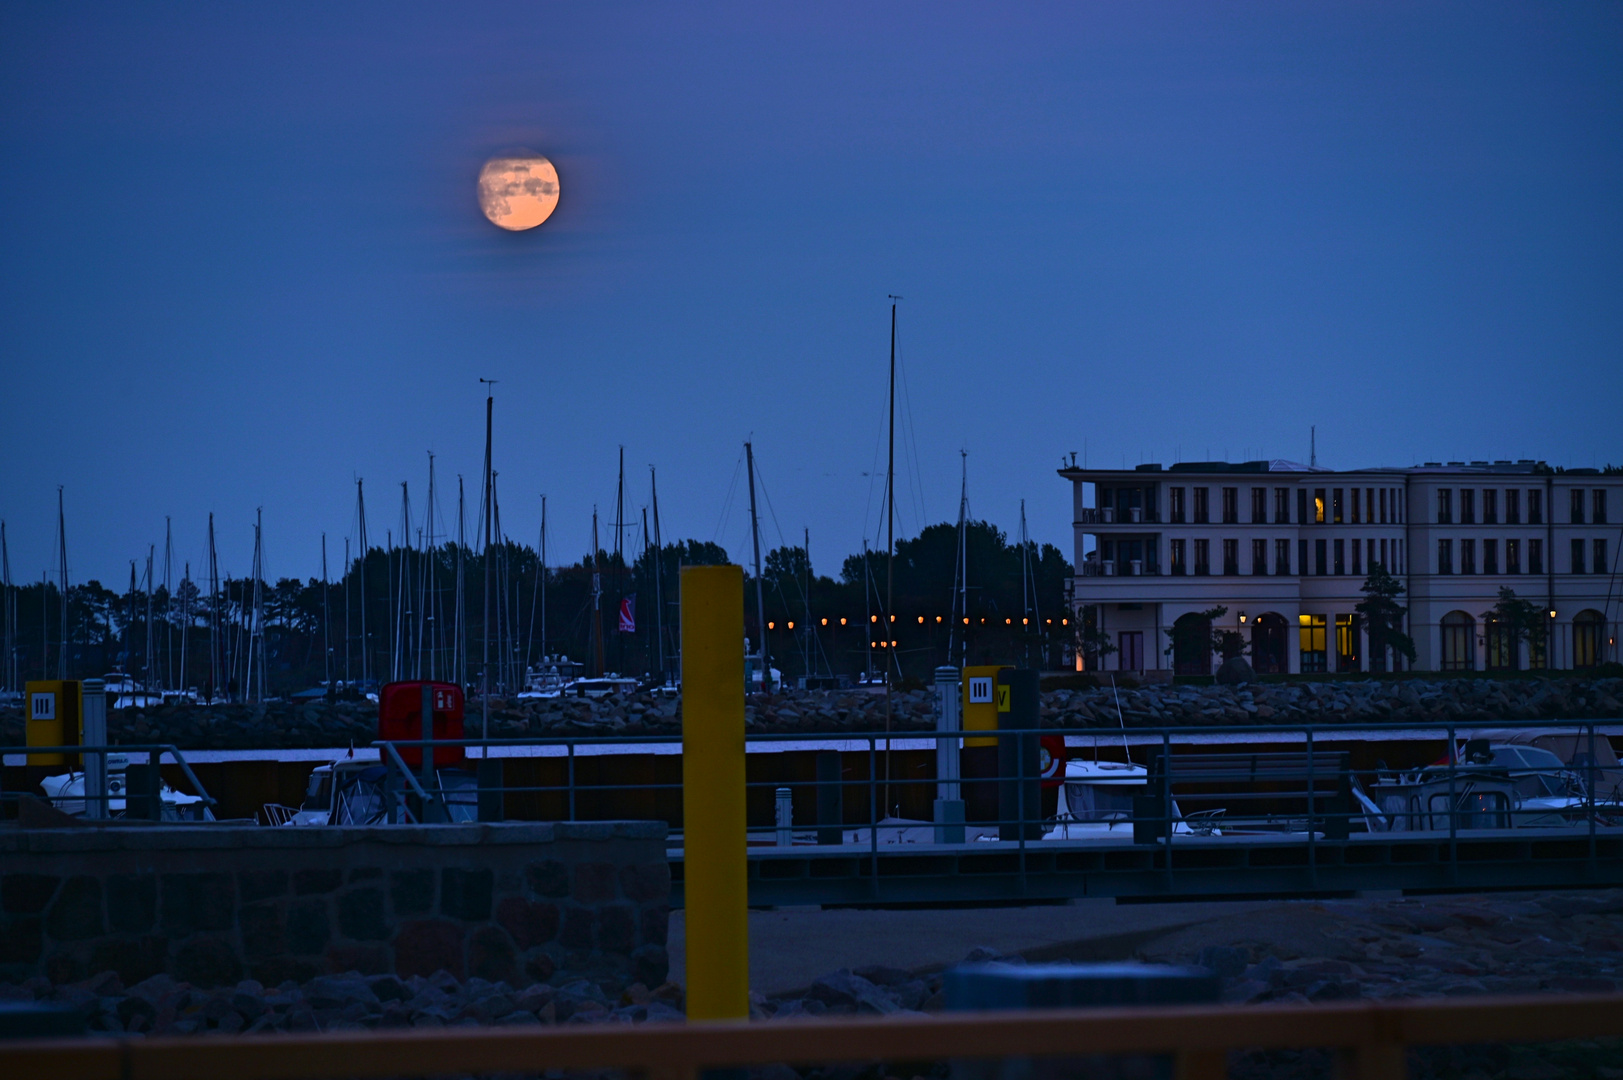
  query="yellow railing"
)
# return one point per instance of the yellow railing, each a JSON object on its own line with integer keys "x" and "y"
{"x": 1370, "y": 1038}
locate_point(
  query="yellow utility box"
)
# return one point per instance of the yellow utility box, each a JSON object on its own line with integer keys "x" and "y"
{"x": 981, "y": 705}
{"x": 55, "y": 718}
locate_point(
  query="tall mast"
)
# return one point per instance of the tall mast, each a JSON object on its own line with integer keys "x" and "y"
{"x": 402, "y": 614}
{"x": 185, "y": 621}
{"x": 543, "y": 575}
{"x": 597, "y": 602}
{"x": 214, "y": 616}
{"x": 326, "y": 619}
{"x": 811, "y": 638}
{"x": 62, "y": 567}
{"x": 619, "y": 560}
{"x": 150, "y": 668}
{"x": 460, "y": 648}
{"x": 129, "y": 622}
{"x": 360, "y": 514}
{"x": 256, "y": 637}
{"x": 425, "y": 576}
{"x": 867, "y": 605}
{"x": 649, "y": 654}
{"x": 168, "y": 603}
{"x": 484, "y": 668}
{"x": 659, "y": 575}
{"x": 959, "y": 634}
{"x": 348, "y": 682}
{"x": 760, "y": 594}
{"x": 1025, "y": 589}
{"x": 889, "y": 619}
{"x": 535, "y": 592}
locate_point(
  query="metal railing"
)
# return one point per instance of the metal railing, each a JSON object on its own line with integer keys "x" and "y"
{"x": 150, "y": 774}
{"x": 1370, "y": 1039}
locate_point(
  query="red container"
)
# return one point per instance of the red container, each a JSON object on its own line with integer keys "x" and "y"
{"x": 400, "y": 717}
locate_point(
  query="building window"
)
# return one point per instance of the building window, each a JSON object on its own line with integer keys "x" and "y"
{"x": 1259, "y": 506}
{"x": 1282, "y": 506}
{"x": 1577, "y": 506}
{"x": 1129, "y": 650}
{"x": 1231, "y": 506}
{"x": 1347, "y": 651}
{"x": 1357, "y": 554}
{"x": 1259, "y": 556}
{"x": 1445, "y": 506}
{"x": 1397, "y": 557}
{"x": 1301, "y": 557}
{"x": 1513, "y": 506}
{"x": 1467, "y": 506}
{"x": 1177, "y": 506}
{"x": 1600, "y": 557}
{"x": 1311, "y": 644}
{"x": 1179, "y": 568}
{"x": 1341, "y": 556}
{"x": 1535, "y": 507}
{"x": 1598, "y": 506}
{"x": 1372, "y": 553}
{"x": 1586, "y": 628}
{"x": 1369, "y": 505}
{"x": 1383, "y": 554}
{"x": 1202, "y": 511}
{"x": 1320, "y": 563}
{"x": 1535, "y": 556}
{"x": 1383, "y": 506}
{"x": 1301, "y": 507}
{"x": 1513, "y": 556}
{"x": 1203, "y": 555}
{"x": 1231, "y": 557}
{"x": 1490, "y": 556}
{"x": 1354, "y": 506}
{"x": 1282, "y": 556}
{"x": 1467, "y": 556}
{"x": 1501, "y": 648}
{"x": 1577, "y": 556}
{"x": 1490, "y": 506}
{"x": 1336, "y": 506}
{"x": 1445, "y": 556}
{"x": 1459, "y": 641}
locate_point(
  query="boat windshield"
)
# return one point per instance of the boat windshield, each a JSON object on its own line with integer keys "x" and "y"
{"x": 1101, "y": 802}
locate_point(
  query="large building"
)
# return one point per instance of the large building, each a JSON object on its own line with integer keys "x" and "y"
{"x": 1285, "y": 548}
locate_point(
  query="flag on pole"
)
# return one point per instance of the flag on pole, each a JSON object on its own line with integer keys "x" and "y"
{"x": 628, "y": 615}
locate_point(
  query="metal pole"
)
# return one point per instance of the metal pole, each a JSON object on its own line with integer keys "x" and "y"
{"x": 93, "y": 718}
{"x": 427, "y": 769}
{"x": 716, "y": 870}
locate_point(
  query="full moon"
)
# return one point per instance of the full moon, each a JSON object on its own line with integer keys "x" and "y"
{"x": 518, "y": 192}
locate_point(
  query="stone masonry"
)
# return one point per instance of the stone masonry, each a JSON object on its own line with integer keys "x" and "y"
{"x": 519, "y": 903}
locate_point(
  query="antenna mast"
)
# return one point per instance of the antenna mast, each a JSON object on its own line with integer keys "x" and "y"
{"x": 484, "y": 674}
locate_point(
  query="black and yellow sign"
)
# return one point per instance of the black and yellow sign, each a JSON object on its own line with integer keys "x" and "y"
{"x": 983, "y": 700}
{"x": 1002, "y": 698}
{"x": 54, "y": 719}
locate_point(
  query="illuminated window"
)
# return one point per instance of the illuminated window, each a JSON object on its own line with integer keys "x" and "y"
{"x": 1318, "y": 506}
{"x": 1311, "y": 633}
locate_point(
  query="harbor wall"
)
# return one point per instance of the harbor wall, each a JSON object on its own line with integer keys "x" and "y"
{"x": 520, "y": 903}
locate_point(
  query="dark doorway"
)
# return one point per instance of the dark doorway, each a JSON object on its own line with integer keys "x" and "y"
{"x": 1268, "y": 644}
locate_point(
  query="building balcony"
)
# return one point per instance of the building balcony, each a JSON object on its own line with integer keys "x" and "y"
{"x": 1113, "y": 568}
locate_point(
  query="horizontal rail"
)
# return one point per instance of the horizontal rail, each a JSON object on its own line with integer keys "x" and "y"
{"x": 1371, "y": 1036}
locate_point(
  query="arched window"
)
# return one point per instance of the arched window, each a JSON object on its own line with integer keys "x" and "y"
{"x": 1192, "y": 645}
{"x": 1268, "y": 644}
{"x": 1459, "y": 642}
{"x": 1586, "y": 630}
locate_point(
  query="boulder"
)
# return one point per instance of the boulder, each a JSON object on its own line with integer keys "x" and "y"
{"x": 1234, "y": 672}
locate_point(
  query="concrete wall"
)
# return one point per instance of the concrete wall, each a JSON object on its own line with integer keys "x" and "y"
{"x": 518, "y": 902}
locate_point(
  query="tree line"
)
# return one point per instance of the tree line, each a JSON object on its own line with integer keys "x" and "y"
{"x": 413, "y": 613}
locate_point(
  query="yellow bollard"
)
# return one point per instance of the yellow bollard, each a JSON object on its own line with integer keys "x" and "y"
{"x": 715, "y": 873}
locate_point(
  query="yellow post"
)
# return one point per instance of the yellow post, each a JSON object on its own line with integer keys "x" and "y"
{"x": 714, "y": 868}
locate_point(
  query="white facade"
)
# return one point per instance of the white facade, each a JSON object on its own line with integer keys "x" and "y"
{"x": 1286, "y": 547}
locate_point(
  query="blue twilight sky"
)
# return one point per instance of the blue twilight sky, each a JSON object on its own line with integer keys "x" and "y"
{"x": 242, "y": 263}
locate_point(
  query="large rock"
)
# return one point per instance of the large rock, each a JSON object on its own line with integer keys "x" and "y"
{"x": 1235, "y": 671}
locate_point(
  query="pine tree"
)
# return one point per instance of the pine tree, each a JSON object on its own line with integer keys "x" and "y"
{"x": 1383, "y": 615}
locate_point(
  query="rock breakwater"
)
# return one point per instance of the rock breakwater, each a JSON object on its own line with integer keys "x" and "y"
{"x": 275, "y": 725}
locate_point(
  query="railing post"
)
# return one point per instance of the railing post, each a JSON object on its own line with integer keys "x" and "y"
{"x": 715, "y": 868}
{"x": 93, "y": 717}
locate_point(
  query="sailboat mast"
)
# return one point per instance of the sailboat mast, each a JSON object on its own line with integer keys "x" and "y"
{"x": 168, "y": 603}
{"x": 150, "y": 669}
{"x": 543, "y": 575}
{"x": 214, "y": 616}
{"x": 326, "y": 619}
{"x": 659, "y": 575}
{"x": 460, "y": 648}
{"x": 8, "y": 612}
{"x": 360, "y": 514}
{"x": 760, "y": 594}
{"x": 62, "y": 567}
{"x": 597, "y": 603}
{"x": 425, "y": 580}
{"x": 185, "y": 621}
{"x": 619, "y": 561}
{"x": 348, "y": 682}
{"x": 484, "y": 664}
{"x": 811, "y": 637}
{"x": 890, "y": 545}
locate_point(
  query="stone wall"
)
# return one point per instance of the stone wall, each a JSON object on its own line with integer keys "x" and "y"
{"x": 518, "y": 903}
